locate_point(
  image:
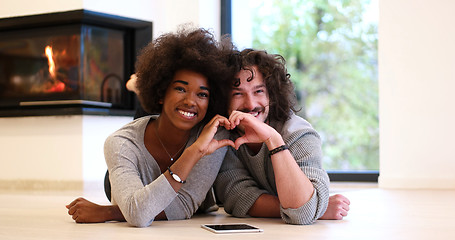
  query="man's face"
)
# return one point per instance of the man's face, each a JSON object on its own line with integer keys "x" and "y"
{"x": 250, "y": 97}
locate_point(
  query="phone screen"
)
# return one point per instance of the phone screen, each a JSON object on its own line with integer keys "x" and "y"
{"x": 231, "y": 228}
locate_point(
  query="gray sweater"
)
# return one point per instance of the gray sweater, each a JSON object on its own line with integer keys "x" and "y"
{"x": 138, "y": 186}
{"x": 244, "y": 177}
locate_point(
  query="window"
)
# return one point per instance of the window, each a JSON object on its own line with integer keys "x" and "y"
{"x": 331, "y": 53}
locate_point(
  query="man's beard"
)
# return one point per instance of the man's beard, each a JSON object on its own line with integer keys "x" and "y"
{"x": 240, "y": 129}
{"x": 256, "y": 109}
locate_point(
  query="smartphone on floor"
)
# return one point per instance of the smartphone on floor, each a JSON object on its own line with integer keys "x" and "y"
{"x": 231, "y": 228}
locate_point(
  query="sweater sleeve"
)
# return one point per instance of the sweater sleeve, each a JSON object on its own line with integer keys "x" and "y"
{"x": 306, "y": 148}
{"x": 198, "y": 184}
{"x": 235, "y": 187}
{"x": 139, "y": 204}
{"x": 243, "y": 178}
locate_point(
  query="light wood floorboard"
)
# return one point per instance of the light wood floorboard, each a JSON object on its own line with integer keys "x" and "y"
{"x": 375, "y": 214}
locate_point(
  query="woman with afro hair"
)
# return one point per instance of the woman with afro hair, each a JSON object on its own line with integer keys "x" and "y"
{"x": 162, "y": 166}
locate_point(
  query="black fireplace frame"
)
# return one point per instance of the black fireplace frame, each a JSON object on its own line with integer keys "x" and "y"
{"x": 138, "y": 33}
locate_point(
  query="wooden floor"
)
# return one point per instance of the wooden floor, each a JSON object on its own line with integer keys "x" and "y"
{"x": 375, "y": 214}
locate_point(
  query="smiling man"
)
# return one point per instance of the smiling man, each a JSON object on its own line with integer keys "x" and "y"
{"x": 276, "y": 168}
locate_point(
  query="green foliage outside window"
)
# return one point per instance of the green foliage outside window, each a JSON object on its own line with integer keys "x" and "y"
{"x": 331, "y": 54}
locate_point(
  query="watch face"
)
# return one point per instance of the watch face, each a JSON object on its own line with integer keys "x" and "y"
{"x": 176, "y": 178}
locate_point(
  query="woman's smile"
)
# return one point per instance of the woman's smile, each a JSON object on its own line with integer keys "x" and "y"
{"x": 187, "y": 114}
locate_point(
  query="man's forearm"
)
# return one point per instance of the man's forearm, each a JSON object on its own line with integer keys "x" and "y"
{"x": 293, "y": 186}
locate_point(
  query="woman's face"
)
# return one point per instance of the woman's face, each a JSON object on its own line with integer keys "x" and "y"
{"x": 186, "y": 100}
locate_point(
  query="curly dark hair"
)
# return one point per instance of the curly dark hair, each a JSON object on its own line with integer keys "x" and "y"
{"x": 282, "y": 98}
{"x": 189, "y": 49}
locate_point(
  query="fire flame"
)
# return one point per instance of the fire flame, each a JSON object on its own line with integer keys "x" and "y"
{"x": 58, "y": 86}
{"x": 50, "y": 59}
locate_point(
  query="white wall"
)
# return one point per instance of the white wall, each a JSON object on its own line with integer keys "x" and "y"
{"x": 41, "y": 148}
{"x": 166, "y": 15}
{"x": 14, "y": 8}
{"x": 416, "y": 93}
{"x": 67, "y": 152}
{"x": 59, "y": 152}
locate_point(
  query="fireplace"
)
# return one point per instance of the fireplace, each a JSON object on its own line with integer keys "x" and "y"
{"x": 74, "y": 62}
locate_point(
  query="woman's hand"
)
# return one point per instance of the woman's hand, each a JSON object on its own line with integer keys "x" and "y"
{"x": 84, "y": 211}
{"x": 205, "y": 143}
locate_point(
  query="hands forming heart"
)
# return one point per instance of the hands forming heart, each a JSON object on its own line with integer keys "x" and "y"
{"x": 252, "y": 131}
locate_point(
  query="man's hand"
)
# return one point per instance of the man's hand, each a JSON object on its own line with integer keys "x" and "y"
{"x": 206, "y": 143}
{"x": 254, "y": 130}
{"x": 337, "y": 209}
